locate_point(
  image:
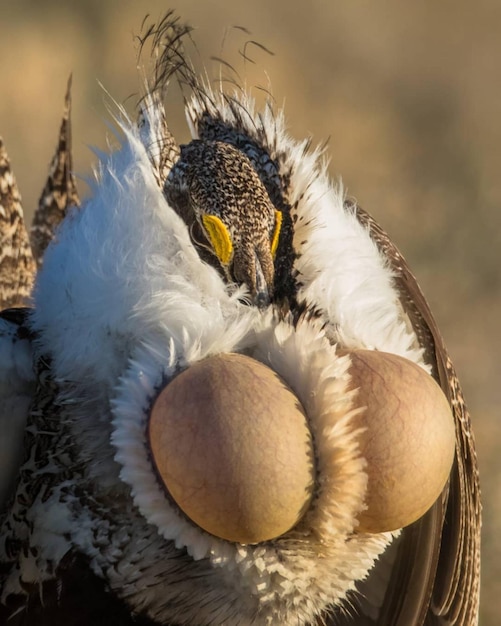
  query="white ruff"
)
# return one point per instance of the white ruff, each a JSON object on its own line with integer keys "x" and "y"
{"x": 122, "y": 271}
{"x": 123, "y": 300}
{"x": 340, "y": 268}
{"x": 295, "y": 574}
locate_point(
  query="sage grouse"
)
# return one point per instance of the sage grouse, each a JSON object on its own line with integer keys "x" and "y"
{"x": 235, "y": 403}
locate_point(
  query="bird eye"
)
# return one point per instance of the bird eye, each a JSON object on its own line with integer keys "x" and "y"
{"x": 219, "y": 237}
{"x": 276, "y": 233}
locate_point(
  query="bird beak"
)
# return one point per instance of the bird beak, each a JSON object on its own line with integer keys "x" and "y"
{"x": 261, "y": 298}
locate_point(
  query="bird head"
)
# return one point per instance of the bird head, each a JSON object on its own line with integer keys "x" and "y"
{"x": 219, "y": 194}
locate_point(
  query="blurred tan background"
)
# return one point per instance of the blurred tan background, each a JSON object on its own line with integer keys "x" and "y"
{"x": 409, "y": 95}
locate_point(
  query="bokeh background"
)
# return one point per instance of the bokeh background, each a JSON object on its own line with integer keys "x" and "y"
{"x": 409, "y": 96}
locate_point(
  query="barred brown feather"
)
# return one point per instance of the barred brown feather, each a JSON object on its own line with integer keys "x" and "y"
{"x": 17, "y": 267}
{"x": 60, "y": 191}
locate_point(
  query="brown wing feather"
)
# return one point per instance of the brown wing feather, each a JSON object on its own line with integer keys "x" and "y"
{"x": 60, "y": 191}
{"x": 437, "y": 572}
{"x": 17, "y": 267}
